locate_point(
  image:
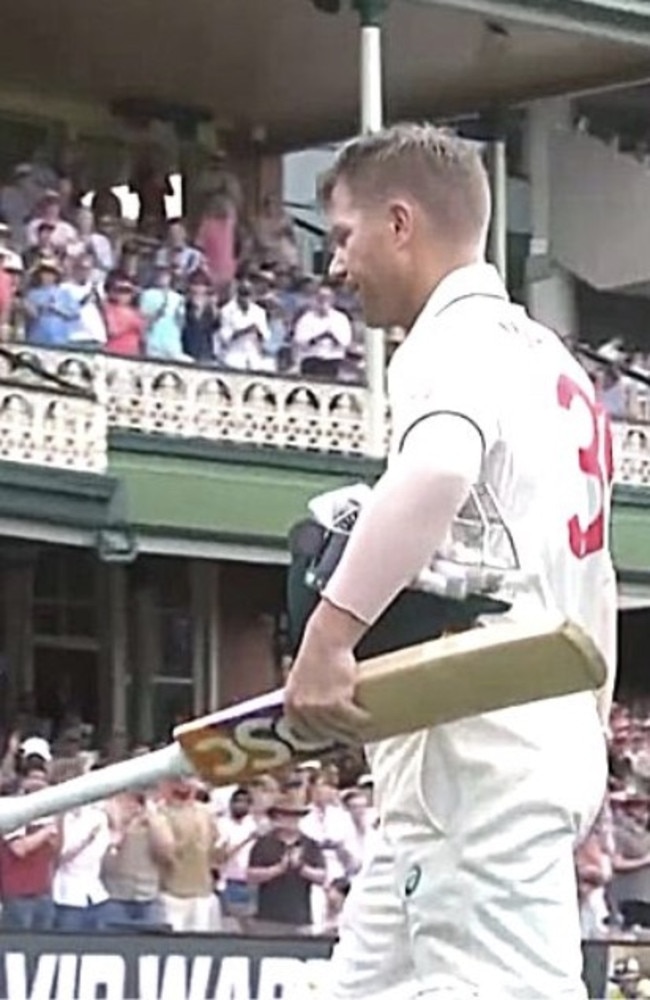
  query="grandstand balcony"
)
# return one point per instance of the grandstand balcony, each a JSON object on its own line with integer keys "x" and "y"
{"x": 45, "y": 424}
{"x": 50, "y": 421}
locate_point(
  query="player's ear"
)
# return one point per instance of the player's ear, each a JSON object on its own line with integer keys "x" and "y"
{"x": 401, "y": 220}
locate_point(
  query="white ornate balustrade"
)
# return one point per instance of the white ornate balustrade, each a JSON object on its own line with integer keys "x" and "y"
{"x": 631, "y": 452}
{"x": 41, "y": 424}
{"x": 182, "y": 400}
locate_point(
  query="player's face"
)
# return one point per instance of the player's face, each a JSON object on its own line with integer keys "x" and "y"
{"x": 364, "y": 255}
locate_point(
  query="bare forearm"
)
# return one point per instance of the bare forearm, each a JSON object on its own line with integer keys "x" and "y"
{"x": 315, "y": 875}
{"x": 259, "y": 876}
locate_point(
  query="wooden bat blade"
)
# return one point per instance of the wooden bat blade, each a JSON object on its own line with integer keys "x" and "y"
{"x": 440, "y": 681}
{"x": 479, "y": 671}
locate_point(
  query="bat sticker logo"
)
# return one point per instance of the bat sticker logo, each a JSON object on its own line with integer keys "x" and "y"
{"x": 254, "y": 745}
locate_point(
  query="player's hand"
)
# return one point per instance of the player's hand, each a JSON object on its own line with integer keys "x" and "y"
{"x": 319, "y": 694}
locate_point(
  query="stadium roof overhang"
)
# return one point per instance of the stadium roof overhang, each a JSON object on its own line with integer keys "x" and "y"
{"x": 284, "y": 70}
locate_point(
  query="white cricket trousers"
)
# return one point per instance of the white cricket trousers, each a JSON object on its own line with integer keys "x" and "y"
{"x": 470, "y": 890}
{"x": 186, "y": 915}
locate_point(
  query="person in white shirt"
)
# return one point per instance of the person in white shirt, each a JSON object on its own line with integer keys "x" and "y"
{"x": 78, "y": 891}
{"x": 84, "y": 289}
{"x": 471, "y": 890}
{"x": 245, "y": 332}
{"x": 330, "y": 826}
{"x": 238, "y": 832}
{"x": 322, "y": 337}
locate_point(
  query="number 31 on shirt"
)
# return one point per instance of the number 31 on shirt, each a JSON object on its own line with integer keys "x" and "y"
{"x": 594, "y": 460}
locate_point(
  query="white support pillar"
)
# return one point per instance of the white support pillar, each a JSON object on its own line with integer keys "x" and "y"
{"x": 498, "y": 169}
{"x": 372, "y": 118}
{"x": 550, "y": 289}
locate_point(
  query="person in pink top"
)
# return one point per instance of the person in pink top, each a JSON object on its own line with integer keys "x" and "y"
{"x": 216, "y": 238}
{"x": 124, "y": 323}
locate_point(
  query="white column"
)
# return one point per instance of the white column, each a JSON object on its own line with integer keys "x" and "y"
{"x": 371, "y": 84}
{"x": 550, "y": 289}
{"x": 498, "y": 250}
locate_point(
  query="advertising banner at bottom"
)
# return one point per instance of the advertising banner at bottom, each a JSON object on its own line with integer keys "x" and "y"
{"x": 162, "y": 967}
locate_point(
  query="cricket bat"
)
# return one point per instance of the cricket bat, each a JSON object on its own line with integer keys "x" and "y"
{"x": 445, "y": 679}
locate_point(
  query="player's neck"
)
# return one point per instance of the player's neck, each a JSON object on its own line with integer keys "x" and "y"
{"x": 426, "y": 279}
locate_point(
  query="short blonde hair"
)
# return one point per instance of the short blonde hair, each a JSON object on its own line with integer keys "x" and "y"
{"x": 443, "y": 173}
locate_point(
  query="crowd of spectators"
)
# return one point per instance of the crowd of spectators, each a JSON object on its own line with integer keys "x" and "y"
{"x": 221, "y": 287}
{"x": 281, "y": 851}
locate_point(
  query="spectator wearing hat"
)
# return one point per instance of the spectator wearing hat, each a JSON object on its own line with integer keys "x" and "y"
{"x": 124, "y": 323}
{"x": 201, "y": 319}
{"x": 285, "y": 864}
{"x": 162, "y": 309}
{"x": 50, "y": 310}
{"x": 627, "y": 981}
{"x": 64, "y": 233}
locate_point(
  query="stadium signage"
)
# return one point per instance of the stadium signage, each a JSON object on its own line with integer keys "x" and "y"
{"x": 145, "y": 967}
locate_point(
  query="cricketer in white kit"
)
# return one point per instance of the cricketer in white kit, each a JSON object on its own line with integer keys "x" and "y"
{"x": 471, "y": 891}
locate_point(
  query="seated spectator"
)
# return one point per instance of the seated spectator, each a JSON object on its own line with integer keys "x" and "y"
{"x": 51, "y": 313}
{"x": 63, "y": 233}
{"x": 28, "y": 857}
{"x": 162, "y": 310}
{"x": 201, "y": 319}
{"x": 245, "y": 332}
{"x": 284, "y": 865}
{"x": 142, "y": 843}
{"x": 322, "y": 337}
{"x": 82, "y": 286}
{"x": 124, "y": 323}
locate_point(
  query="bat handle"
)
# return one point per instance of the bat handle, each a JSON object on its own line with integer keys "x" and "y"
{"x": 18, "y": 810}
